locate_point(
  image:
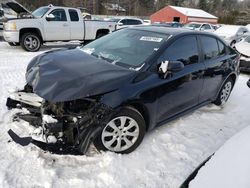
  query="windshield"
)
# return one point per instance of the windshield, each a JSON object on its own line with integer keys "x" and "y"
{"x": 247, "y": 39}
{"x": 193, "y": 25}
{"x": 38, "y": 13}
{"x": 128, "y": 48}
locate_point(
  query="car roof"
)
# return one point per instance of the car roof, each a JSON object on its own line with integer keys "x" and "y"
{"x": 58, "y": 7}
{"x": 170, "y": 30}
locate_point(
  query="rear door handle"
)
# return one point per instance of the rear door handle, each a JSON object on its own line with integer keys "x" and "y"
{"x": 65, "y": 25}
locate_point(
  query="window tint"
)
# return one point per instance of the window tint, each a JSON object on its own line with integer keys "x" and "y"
{"x": 210, "y": 47}
{"x": 247, "y": 39}
{"x": 245, "y": 30}
{"x": 124, "y": 21}
{"x": 222, "y": 48}
{"x": 134, "y": 22}
{"x": 59, "y": 14}
{"x": 206, "y": 26}
{"x": 73, "y": 15}
{"x": 184, "y": 50}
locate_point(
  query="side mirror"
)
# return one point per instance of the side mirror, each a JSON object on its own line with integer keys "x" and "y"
{"x": 202, "y": 29}
{"x": 248, "y": 83}
{"x": 170, "y": 67}
{"x": 120, "y": 24}
{"x": 50, "y": 17}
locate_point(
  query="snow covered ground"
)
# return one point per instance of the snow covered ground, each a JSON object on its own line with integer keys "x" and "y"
{"x": 165, "y": 158}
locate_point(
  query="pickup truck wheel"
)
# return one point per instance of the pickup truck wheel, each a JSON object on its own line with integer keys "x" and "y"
{"x": 99, "y": 35}
{"x": 30, "y": 42}
{"x": 123, "y": 133}
{"x": 14, "y": 43}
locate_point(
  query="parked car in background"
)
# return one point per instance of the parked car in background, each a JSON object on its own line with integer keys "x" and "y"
{"x": 52, "y": 23}
{"x": 146, "y": 22}
{"x": 11, "y": 10}
{"x": 231, "y": 33}
{"x": 114, "y": 89}
{"x": 169, "y": 24}
{"x": 248, "y": 83}
{"x": 217, "y": 26}
{"x": 200, "y": 26}
{"x": 248, "y": 27}
{"x": 1, "y": 20}
{"x": 243, "y": 47}
{"x": 126, "y": 22}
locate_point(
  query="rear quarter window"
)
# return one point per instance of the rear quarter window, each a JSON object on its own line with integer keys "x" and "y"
{"x": 210, "y": 47}
{"x": 222, "y": 48}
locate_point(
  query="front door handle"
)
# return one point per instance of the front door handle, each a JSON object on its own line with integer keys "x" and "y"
{"x": 65, "y": 25}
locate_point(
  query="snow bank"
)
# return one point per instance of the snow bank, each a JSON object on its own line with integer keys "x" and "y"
{"x": 229, "y": 167}
{"x": 165, "y": 158}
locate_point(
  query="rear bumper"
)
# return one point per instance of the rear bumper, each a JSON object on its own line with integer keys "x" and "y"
{"x": 11, "y": 36}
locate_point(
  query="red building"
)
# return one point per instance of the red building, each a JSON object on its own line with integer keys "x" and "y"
{"x": 182, "y": 15}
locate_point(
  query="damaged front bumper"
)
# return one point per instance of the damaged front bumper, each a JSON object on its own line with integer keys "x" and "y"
{"x": 73, "y": 125}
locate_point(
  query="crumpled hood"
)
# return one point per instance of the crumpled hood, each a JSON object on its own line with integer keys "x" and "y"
{"x": 66, "y": 75}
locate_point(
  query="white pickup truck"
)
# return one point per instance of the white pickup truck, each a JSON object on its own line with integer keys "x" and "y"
{"x": 52, "y": 23}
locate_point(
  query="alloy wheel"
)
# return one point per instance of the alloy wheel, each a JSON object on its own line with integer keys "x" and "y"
{"x": 225, "y": 92}
{"x": 120, "y": 134}
{"x": 31, "y": 42}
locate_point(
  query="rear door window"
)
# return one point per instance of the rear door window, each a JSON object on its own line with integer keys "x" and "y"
{"x": 210, "y": 47}
{"x": 73, "y": 15}
{"x": 134, "y": 22}
{"x": 206, "y": 27}
{"x": 124, "y": 21}
{"x": 184, "y": 49}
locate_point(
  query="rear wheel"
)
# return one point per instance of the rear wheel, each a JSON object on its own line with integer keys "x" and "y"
{"x": 224, "y": 92}
{"x": 123, "y": 133}
{"x": 30, "y": 42}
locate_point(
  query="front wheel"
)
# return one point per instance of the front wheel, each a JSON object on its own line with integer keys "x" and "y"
{"x": 224, "y": 92}
{"x": 30, "y": 42}
{"x": 123, "y": 133}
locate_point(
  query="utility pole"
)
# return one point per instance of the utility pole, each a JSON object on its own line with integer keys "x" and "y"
{"x": 118, "y": 7}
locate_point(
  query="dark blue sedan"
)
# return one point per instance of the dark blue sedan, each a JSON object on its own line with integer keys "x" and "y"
{"x": 115, "y": 89}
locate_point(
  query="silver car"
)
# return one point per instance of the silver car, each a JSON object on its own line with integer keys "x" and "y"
{"x": 232, "y": 33}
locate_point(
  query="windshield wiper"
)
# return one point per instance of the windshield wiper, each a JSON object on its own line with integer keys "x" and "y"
{"x": 100, "y": 56}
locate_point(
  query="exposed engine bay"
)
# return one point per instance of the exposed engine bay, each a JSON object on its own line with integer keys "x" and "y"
{"x": 72, "y": 124}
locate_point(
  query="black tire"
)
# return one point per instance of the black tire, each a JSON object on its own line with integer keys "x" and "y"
{"x": 14, "y": 43}
{"x": 27, "y": 39}
{"x": 125, "y": 112}
{"x": 99, "y": 35}
{"x": 221, "y": 99}
{"x": 232, "y": 44}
